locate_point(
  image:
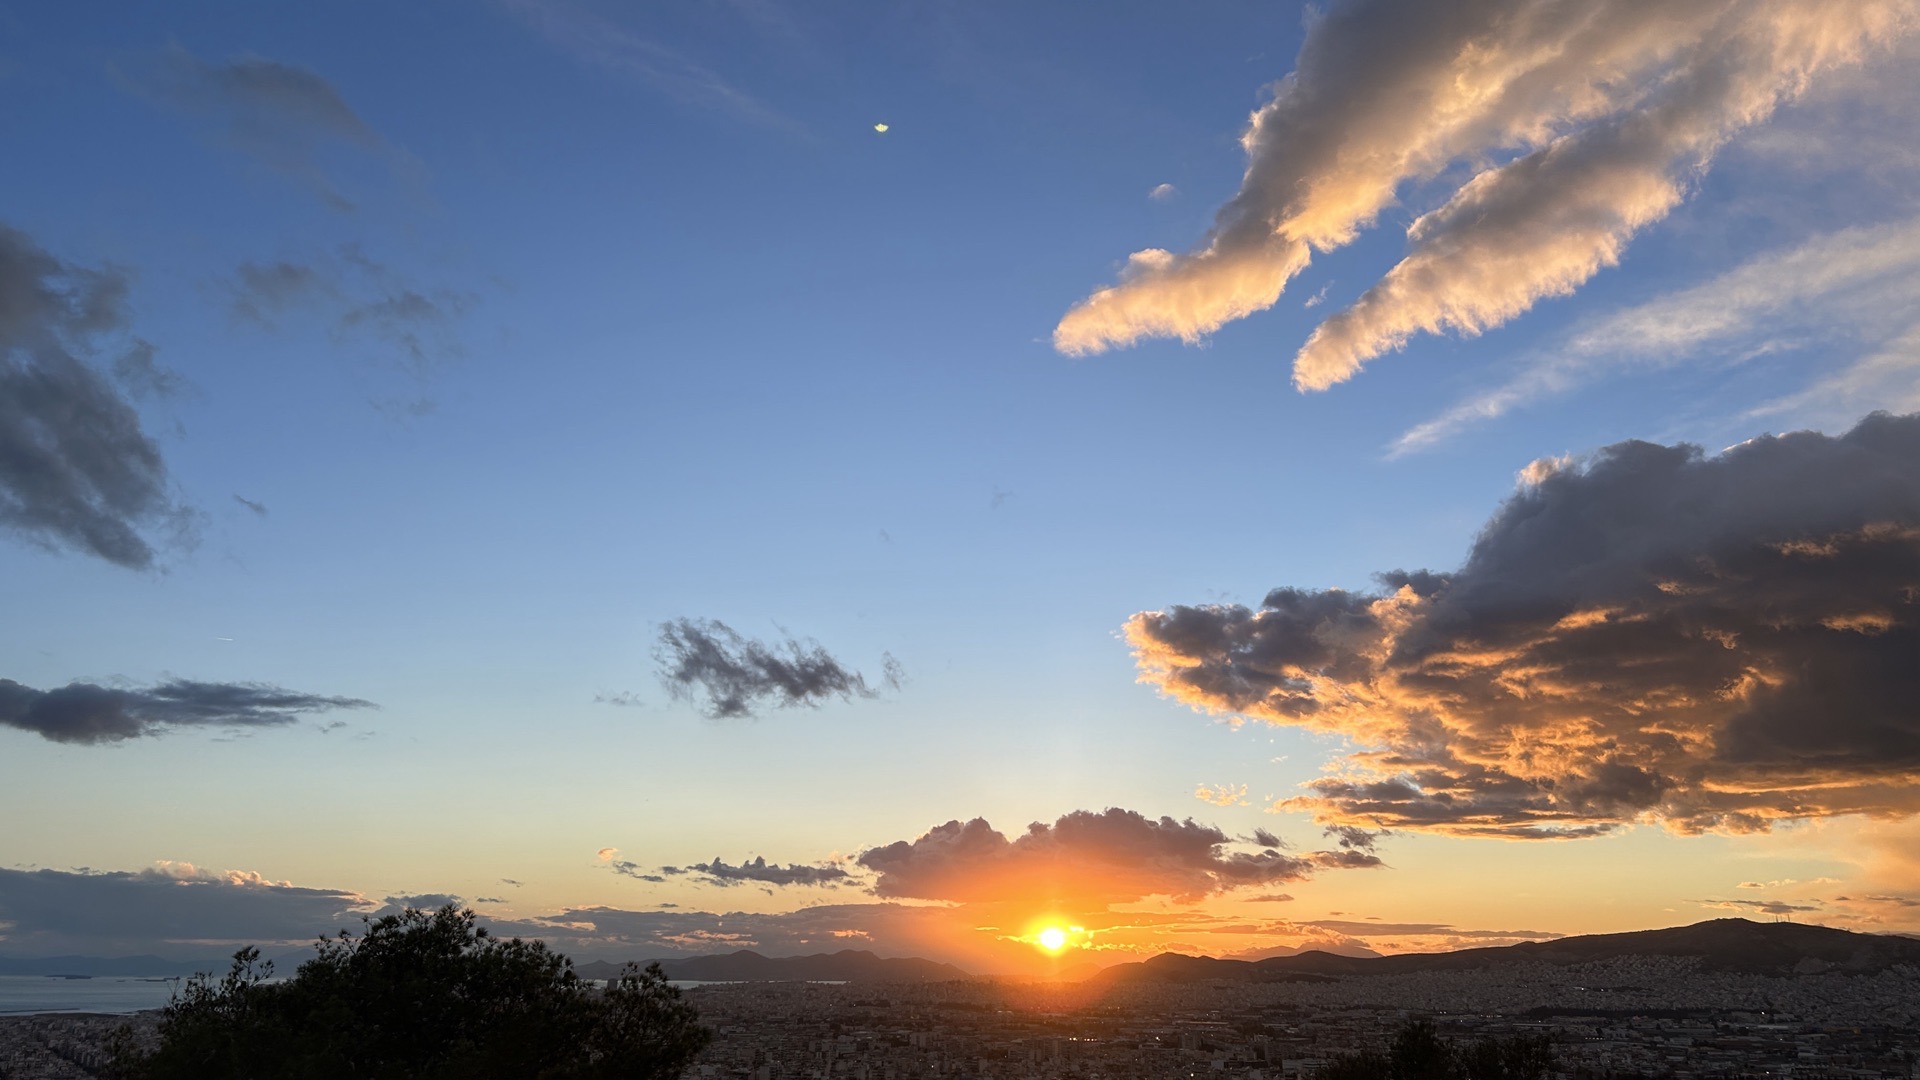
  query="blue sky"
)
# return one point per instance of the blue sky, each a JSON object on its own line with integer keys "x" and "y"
{"x": 593, "y": 318}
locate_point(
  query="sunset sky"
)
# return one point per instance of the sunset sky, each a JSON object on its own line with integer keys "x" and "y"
{"x": 1221, "y": 478}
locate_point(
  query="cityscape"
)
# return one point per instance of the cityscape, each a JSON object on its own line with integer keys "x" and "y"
{"x": 1646, "y": 1015}
{"x": 979, "y": 539}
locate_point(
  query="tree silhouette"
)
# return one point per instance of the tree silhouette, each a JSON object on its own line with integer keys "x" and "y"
{"x": 1417, "y": 1052}
{"x": 425, "y": 996}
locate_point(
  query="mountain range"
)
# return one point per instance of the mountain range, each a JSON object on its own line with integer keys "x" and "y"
{"x": 1731, "y": 945}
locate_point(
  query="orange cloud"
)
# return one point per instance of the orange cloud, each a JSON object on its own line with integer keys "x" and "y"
{"x": 1650, "y": 634}
{"x": 1084, "y": 861}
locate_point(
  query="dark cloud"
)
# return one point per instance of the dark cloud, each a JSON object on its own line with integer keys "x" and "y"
{"x": 1354, "y": 838}
{"x": 706, "y": 659}
{"x": 258, "y": 508}
{"x": 1765, "y": 907}
{"x": 1265, "y": 839}
{"x": 360, "y": 300}
{"x": 489, "y": 900}
{"x": 1379, "y": 928}
{"x": 1647, "y": 634}
{"x": 88, "y": 713}
{"x": 285, "y": 116}
{"x": 1896, "y": 901}
{"x": 143, "y": 378}
{"x": 1118, "y": 856}
{"x": 262, "y": 291}
{"x": 44, "y": 912}
{"x": 77, "y": 471}
{"x": 758, "y": 871}
{"x": 626, "y": 699}
{"x": 394, "y": 905}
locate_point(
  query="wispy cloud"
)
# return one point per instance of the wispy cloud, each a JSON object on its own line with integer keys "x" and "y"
{"x": 282, "y": 115}
{"x": 361, "y": 303}
{"x": 705, "y": 659}
{"x": 1857, "y": 287}
{"x": 761, "y": 872}
{"x": 595, "y": 39}
{"x": 89, "y": 713}
{"x": 1579, "y": 126}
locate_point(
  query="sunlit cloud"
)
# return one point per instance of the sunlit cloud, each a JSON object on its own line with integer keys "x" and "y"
{"x": 1574, "y": 127}
{"x": 1085, "y": 860}
{"x": 1644, "y": 634}
{"x": 1222, "y": 794}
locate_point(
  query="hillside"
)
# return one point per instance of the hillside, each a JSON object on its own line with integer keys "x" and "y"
{"x": 1733, "y": 945}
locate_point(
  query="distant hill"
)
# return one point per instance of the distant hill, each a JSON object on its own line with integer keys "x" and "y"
{"x": 847, "y": 965}
{"x": 1734, "y": 945}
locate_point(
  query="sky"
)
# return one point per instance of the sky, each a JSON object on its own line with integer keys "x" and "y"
{"x": 1228, "y": 479}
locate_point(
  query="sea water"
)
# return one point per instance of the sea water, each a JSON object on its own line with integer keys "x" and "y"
{"x": 23, "y": 994}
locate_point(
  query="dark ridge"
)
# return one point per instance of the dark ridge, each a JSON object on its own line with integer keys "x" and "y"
{"x": 1729, "y": 945}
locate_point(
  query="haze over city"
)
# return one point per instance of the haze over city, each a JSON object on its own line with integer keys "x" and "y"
{"x": 1025, "y": 486}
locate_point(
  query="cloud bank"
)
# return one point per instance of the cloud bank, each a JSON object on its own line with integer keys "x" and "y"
{"x": 1647, "y": 634}
{"x": 54, "y": 911}
{"x": 1084, "y": 859}
{"x": 77, "y": 470}
{"x": 705, "y": 660}
{"x": 1574, "y": 126}
{"x": 90, "y": 714}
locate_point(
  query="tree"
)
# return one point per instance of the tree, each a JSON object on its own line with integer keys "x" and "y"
{"x": 422, "y": 996}
{"x": 1417, "y": 1052}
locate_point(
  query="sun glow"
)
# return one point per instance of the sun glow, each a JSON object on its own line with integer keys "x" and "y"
{"x": 1052, "y": 939}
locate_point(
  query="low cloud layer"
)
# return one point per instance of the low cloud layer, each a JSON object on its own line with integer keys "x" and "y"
{"x": 77, "y": 470}
{"x": 704, "y": 660}
{"x": 1559, "y": 130}
{"x": 90, "y": 714}
{"x": 1086, "y": 859}
{"x": 1646, "y": 634}
{"x": 165, "y": 908}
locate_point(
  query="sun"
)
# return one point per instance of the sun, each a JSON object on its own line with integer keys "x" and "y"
{"x": 1052, "y": 939}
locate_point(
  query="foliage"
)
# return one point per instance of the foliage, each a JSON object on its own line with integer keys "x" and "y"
{"x": 1419, "y": 1053}
{"x": 424, "y": 996}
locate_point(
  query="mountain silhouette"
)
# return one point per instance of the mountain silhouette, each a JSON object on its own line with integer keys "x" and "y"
{"x": 1730, "y": 945}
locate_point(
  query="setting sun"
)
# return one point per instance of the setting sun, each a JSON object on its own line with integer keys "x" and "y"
{"x": 1053, "y": 939}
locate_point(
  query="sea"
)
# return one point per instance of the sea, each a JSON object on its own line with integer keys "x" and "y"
{"x": 117, "y": 995}
{"x": 114, "y": 994}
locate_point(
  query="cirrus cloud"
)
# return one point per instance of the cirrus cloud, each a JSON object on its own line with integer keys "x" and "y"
{"x": 1575, "y": 126}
